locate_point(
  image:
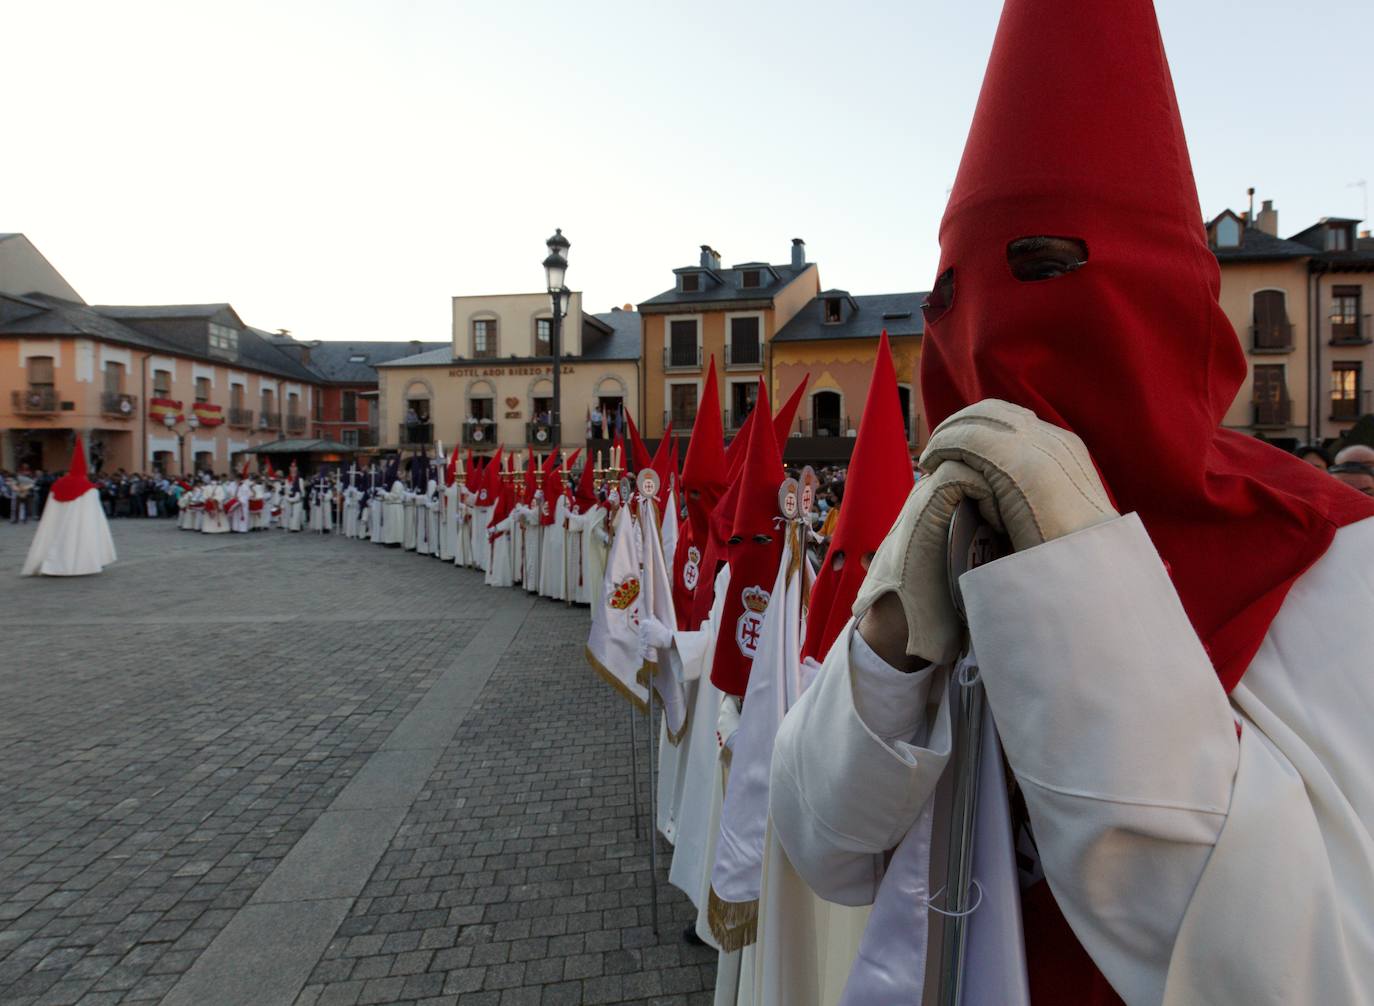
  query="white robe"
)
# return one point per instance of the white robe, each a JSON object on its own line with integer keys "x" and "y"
{"x": 73, "y": 538}
{"x": 185, "y": 515}
{"x": 448, "y": 533}
{"x": 1195, "y": 866}
{"x": 408, "y": 520}
{"x": 394, "y": 515}
{"x": 531, "y": 545}
{"x": 551, "y": 569}
{"x": 591, "y": 544}
{"x": 481, "y": 546}
{"x": 462, "y": 524}
{"x": 434, "y": 521}
{"x": 240, "y": 521}
{"x": 348, "y": 526}
{"x": 376, "y": 521}
{"x": 294, "y": 512}
{"x": 216, "y": 521}
{"x": 501, "y": 559}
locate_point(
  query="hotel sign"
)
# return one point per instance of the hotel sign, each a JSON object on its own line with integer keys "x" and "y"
{"x": 506, "y": 371}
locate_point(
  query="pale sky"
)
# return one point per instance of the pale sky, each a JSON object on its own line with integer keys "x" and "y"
{"x": 341, "y": 169}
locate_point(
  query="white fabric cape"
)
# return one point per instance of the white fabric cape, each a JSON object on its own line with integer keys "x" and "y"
{"x": 553, "y": 568}
{"x": 656, "y": 599}
{"x": 73, "y": 539}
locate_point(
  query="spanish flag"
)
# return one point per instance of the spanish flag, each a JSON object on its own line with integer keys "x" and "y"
{"x": 161, "y": 408}
{"x": 209, "y": 415}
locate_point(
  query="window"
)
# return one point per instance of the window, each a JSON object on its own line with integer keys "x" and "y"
{"x": 205, "y": 461}
{"x": 541, "y": 410}
{"x": 114, "y": 378}
{"x": 293, "y": 405}
{"x": 162, "y": 383}
{"x": 40, "y": 373}
{"x": 743, "y": 397}
{"x": 744, "y": 342}
{"x": 202, "y": 389}
{"x": 1345, "y": 391}
{"x": 236, "y": 396}
{"x": 358, "y": 358}
{"x": 350, "y": 438}
{"x": 1337, "y": 237}
{"x": 317, "y": 407}
{"x": 832, "y": 310}
{"x": 266, "y": 400}
{"x": 1271, "y": 395}
{"x": 683, "y": 404}
{"x": 349, "y": 407}
{"x": 223, "y": 338}
{"x": 482, "y": 408}
{"x": 484, "y": 337}
{"x": 691, "y": 282}
{"x": 1272, "y": 330}
{"x": 682, "y": 344}
{"x": 1228, "y": 232}
{"x": 1345, "y": 314}
{"x": 543, "y": 337}
{"x": 749, "y": 279}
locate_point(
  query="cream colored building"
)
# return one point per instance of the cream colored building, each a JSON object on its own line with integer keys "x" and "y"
{"x": 494, "y": 384}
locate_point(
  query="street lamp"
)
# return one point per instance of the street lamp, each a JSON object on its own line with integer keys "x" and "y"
{"x": 192, "y": 424}
{"x": 555, "y": 272}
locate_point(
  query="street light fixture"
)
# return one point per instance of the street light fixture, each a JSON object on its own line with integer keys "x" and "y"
{"x": 555, "y": 275}
{"x": 192, "y": 424}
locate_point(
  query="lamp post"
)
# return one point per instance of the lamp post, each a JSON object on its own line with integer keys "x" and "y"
{"x": 192, "y": 424}
{"x": 555, "y": 271}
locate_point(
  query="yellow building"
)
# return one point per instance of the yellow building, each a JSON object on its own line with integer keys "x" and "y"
{"x": 729, "y": 314}
{"x": 493, "y": 385}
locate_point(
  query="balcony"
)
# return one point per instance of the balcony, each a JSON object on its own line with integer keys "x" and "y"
{"x": 242, "y": 418}
{"x": 733, "y": 419}
{"x": 827, "y": 426}
{"x": 480, "y": 434}
{"x": 116, "y": 403}
{"x": 415, "y": 434}
{"x": 743, "y": 356}
{"x": 1274, "y": 415}
{"x": 35, "y": 401}
{"x": 296, "y": 424}
{"x": 682, "y": 419}
{"x": 1351, "y": 332}
{"x": 269, "y": 420}
{"x": 1276, "y": 337}
{"x": 541, "y": 436}
{"x": 680, "y": 357}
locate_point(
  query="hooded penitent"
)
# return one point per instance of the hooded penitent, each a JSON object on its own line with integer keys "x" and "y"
{"x": 1077, "y": 135}
{"x": 641, "y": 458}
{"x": 753, "y": 549}
{"x": 73, "y": 536}
{"x": 555, "y": 485}
{"x": 490, "y": 488}
{"x": 703, "y": 483}
{"x": 585, "y": 498}
{"x": 876, "y": 485}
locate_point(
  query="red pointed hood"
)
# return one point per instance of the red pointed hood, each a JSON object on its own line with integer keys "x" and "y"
{"x": 641, "y": 459}
{"x": 585, "y": 497}
{"x": 1074, "y": 138}
{"x": 704, "y": 473}
{"x": 72, "y": 485}
{"x": 782, "y": 422}
{"x": 876, "y": 485}
{"x": 662, "y": 465}
{"x": 754, "y": 548}
{"x": 531, "y": 480}
{"x": 490, "y": 489}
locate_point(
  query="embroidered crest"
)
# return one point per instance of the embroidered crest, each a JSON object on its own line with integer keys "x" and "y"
{"x": 691, "y": 569}
{"x": 749, "y": 625}
{"x": 624, "y": 593}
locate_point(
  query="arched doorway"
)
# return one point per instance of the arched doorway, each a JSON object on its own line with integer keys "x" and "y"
{"x": 826, "y": 420}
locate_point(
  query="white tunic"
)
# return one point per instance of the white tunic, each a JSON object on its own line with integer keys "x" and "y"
{"x": 216, "y": 521}
{"x": 448, "y": 534}
{"x": 408, "y": 520}
{"x": 1194, "y": 866}
{"x": 501, "y": 557}
{"x": 552, "y": 572}
{"x": 73, "y": 538}
{"x": 394, "y": 515}
{"x": 243, "y": 493}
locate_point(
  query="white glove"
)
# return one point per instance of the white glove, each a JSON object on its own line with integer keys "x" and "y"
{"x": 912, "y": 562}
{"x": 653, "y": 637}
{"x": 1043, "y": 483}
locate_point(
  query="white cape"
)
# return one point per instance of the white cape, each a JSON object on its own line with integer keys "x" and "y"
{"x": 73, "y": 539}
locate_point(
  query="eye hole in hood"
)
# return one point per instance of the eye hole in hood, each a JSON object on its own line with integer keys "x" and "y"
{"x": 1041, "y": 257}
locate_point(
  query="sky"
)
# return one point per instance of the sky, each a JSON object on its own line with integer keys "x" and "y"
{"x": 341, "y": 169}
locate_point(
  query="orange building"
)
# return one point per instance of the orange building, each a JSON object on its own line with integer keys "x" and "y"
{"x": 116, "y": 374}
{"x": 731, "y": 314}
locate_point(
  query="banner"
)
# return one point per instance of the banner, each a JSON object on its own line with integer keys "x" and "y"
{"x": 613, "y": 642}
{"x": 160, "y": 408}
{"x": 209, "y": 415}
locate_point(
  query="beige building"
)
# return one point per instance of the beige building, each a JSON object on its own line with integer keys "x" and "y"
{"x": 494, "y": 384}
{"x": 1298, "y": 306}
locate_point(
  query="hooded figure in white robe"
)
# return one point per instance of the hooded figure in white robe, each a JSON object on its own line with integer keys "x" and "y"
{"x": 531, "y": 535}
{"x": 408, "y": 522}
{"x": 73, "y": 536}
{"x": 348, "y": 526}
{"x": 376, "y": 527}
{"x": 448, "y": 537}
{"x": 185, "y": 515}
{"x": 216, "y": 518}
{"x": 394, "y": 515}
{"x": 501, "y": 556}
{"x": 553, "y": 571}
{"x": 593, "y": 543}
{"x": 241, "y": 519}
{"x": 295, "y": 504}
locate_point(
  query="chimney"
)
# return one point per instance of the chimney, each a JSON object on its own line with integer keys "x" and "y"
{"x": 416, "y": 343}
{"x": 1250, "y": 213}
{"x": 798, "y": 253}
{"x": 1267, "y": 220}
{"x": 706, "y": 254}
{"x": 715, "y": 259}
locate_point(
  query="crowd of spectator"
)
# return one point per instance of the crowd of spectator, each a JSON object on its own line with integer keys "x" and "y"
{"x": 122, "y": 494}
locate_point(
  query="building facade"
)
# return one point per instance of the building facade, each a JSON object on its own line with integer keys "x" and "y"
{"x": 493, "y": 384}
{"x": 117, "y": 374}
{"x": 730, "y": 314}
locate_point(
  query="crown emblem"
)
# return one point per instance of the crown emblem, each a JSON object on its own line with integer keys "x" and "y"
{"x": 625, "y": 593}
{"x": 755, "y": 599}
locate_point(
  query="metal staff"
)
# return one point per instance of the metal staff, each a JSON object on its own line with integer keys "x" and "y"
{"x": 971, "y": 543}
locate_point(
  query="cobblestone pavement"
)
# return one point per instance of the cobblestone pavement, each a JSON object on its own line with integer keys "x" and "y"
{"x": 171, "y": 730}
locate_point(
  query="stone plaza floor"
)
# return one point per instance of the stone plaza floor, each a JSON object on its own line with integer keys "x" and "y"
{"x": 286, "y": 768}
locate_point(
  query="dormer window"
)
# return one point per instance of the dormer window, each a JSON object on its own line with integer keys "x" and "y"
{"x": 223, "y": 340}
{"x": 357, "y": 358}
{"x": 833, "y": 311}
{"x": 691, "y": 282}
{"x": 1228, "y": 232}
{"x": 1338, "y": 237}
{"x": 750, "y": 279}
